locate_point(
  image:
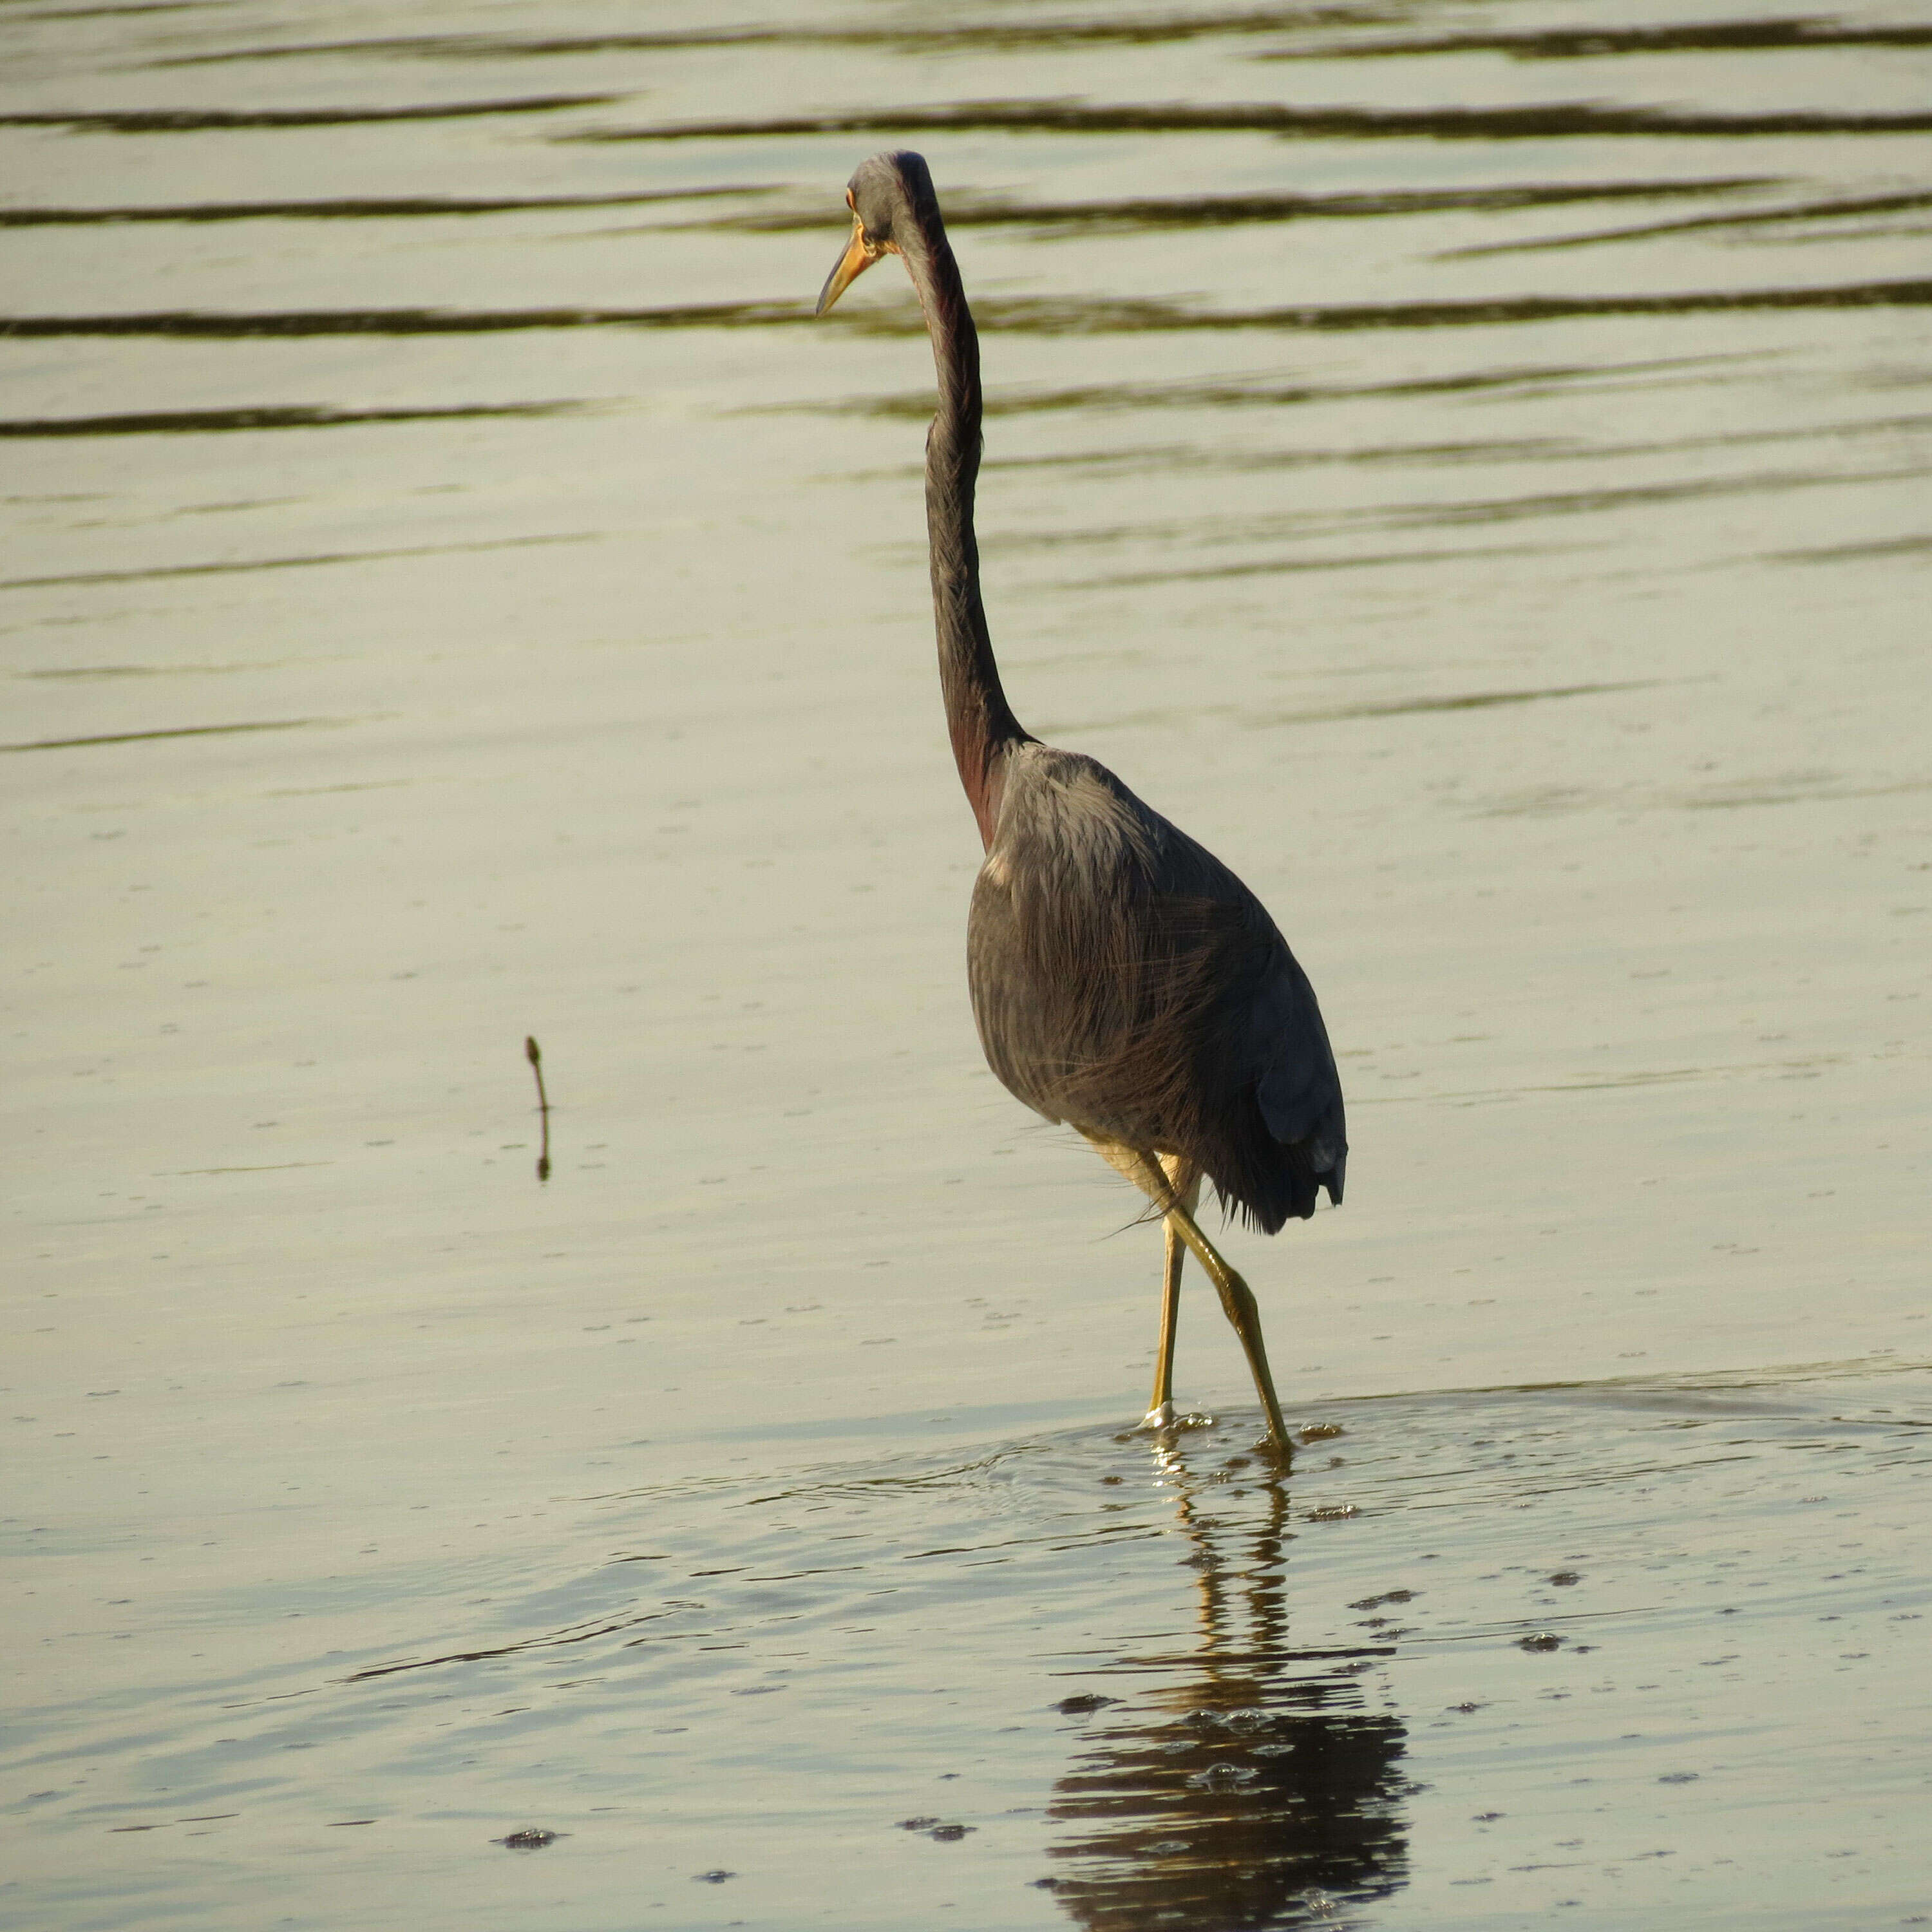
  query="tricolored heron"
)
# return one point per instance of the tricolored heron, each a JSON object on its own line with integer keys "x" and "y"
{"x": 1124, "y": 981}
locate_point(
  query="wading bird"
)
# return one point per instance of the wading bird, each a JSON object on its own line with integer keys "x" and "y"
{"x": 1124, "y": 981}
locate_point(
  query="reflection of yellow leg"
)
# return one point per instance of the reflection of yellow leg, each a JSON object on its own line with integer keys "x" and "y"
{"x": 1184, "y": 1178}
{"x": 1237, "y": 1300}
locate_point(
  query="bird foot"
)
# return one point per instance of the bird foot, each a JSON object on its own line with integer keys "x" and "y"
{"x": 1159, "y": 1416}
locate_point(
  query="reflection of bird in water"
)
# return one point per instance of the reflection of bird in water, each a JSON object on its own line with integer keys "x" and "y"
{"x": 1124, "y": 980}
{"x": 1253, "y": 1789}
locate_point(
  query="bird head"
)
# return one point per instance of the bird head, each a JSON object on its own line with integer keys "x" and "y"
{"x": 890, "y": 196}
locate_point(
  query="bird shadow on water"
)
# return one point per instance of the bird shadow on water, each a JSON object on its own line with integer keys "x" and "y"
{"x": 1241, "y": 1780}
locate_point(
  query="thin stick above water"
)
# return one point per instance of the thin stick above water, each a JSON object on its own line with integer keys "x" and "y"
{"x": 533, "y": 1053}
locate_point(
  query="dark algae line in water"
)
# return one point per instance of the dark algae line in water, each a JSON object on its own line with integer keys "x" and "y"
{"x": 1228, "y": 211}
{"x": 170, "y": 731}
{"x": 1320, "y": 29}
{"x": 1263, "y": 392}
{"x": 1578, "y": 43}
{"x": 1477, "y": 512}
{"x": 1045, "y": 316}
{"x": 201, "y": 422}
{"x": 209, "y": 325}
{"x": 202, "y": 121}
{"x": 1849, "y": 208}
{"x": 353, "y": 208}
{"x": 1558, "y": 120}
{"x": 994, "y": 35}
{"x": 321, "y": 559}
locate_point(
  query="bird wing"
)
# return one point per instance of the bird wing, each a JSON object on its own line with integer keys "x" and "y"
{"x": 1127, "y": 981}
{"x": 1267, "y": 1036}
{"x": 1299, "y": 1091}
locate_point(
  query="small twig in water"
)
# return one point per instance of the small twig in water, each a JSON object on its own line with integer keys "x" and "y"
{"x": 534, "y": 1055}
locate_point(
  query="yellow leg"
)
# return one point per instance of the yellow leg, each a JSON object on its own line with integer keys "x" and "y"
{"x": 1184, "y": 1178}
{"x": 1237, "y": 1301}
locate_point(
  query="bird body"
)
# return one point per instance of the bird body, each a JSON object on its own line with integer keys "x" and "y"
{"x": 1124, "y": 980}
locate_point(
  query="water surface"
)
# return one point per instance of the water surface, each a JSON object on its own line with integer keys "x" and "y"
{"x": 1468, "y": 468}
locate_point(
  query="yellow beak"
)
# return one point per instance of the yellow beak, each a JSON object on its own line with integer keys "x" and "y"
{"x": 850, "y": 265}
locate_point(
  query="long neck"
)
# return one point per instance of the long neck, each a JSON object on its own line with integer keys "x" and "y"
{"x": 983, "y": 725}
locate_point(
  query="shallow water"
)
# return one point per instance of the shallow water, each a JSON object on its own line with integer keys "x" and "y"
{"x": 1470, "y": 469}
{"x": 1491, "y": 1653}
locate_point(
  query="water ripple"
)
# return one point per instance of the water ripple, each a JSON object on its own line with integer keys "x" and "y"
{"x": 180, "y": 422}
{"x": 355, "y": 208}
{"x": 1555, "y": 121}
{"x": 208, "y": 120}
{"x": 1039, "y": 316}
